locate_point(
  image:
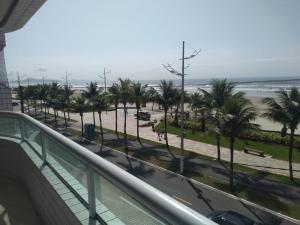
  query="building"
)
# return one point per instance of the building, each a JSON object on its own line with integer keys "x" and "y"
{"x": 14, "y": 14}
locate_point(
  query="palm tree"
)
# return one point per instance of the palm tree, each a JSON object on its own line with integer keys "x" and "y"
{"x": 152, "y": 95}
{"x": 79, "y": 106}
{"x": 114, "y": 97}
{"x": 125, "y": 97}
{"x": 237, "y": 112}
{"x": 139, "y": 95}
{"x": 176, "y": 102}
{"x": 221, "y": 90}
{"x": 53, "y": 93}
{"x": 166, "y": 100}
{"x": 43, "y": 97}
{"x": 68, "y": 92}
{"x": 285, "y": 110}
{"x": 34, "y": 95}
{"x": 28, "y": 94}
{"x": 101, "y": 105}
{"x": 62, "y": 105}
{"x": 199, "y": 103}
{"x": 90, "y": 94}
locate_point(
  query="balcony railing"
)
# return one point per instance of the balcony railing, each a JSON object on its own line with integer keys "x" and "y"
{"x": 127, "y": 197}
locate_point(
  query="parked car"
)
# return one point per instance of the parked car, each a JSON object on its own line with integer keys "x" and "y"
{"x": 144, "y": 115}
{"x": 231, "y": 218}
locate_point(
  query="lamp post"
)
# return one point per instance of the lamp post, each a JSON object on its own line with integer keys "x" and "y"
{"x": 182, "y": 74}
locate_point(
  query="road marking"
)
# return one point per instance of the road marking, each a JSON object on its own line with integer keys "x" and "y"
{"x": 214, "y": 189}
{"x": 180, "y": 199}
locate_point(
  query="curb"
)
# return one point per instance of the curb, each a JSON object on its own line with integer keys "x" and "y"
{"x": 215, "y": 189}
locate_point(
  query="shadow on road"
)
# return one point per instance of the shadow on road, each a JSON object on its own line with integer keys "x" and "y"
{"x": 199, "y": 195}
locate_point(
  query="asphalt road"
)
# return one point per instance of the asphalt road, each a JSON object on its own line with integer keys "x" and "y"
{"x": 191, "y": 193}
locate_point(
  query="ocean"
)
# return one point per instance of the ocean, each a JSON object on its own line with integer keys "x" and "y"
{"x": 253, "y": 87}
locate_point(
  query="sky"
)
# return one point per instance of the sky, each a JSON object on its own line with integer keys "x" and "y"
{"x": 133, "y": 38}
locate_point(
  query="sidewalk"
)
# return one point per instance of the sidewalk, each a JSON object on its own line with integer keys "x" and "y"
{"x": 267, "y": 163}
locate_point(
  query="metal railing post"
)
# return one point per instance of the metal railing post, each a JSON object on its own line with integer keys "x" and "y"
{"x": 21, "y": 129}
{"x": 43, "y": 146}
{"x": 91, "y": 192}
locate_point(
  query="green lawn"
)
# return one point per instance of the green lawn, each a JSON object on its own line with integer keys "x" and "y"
{"x": 277, "y": 151}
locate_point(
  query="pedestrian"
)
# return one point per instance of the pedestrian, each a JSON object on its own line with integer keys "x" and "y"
{"x": 163, "y": 134}
{"x": 158, "y": 135}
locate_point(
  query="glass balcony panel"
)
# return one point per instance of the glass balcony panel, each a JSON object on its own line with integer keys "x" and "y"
{"x": 124, "y": 207}
{"x": 10, "y": 127}
{"x": 73, "y": 170}
{"x": 33, "y": 136}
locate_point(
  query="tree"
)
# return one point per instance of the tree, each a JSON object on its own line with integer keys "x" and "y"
{"x": 237, "y": 113}
{"x": 166, "y": 100}
{"x": 221, "y": 90}
{"x": 68, "y": 92}
{"x": 176, "y": 102}
{"x": 139, "y": 95}
{"x": 28, "y": 94}
{"x": 43, "y": 93}
{"x": 285, "y": 110}
{"x": 79, "y": 106}
{"x": 90, "y": 94}
{"x": 114, "y": 98}
{"x": 101, "y": 105}
{"x": 61, "y": 104}
{"x": 124, "y": 99}
{"x": 199, "y": 103}
{"x": 52, "y": 95}
{"x": 152, "y": 95}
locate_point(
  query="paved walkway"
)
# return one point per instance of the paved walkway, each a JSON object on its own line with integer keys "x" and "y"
{"x": 267, "y": 163}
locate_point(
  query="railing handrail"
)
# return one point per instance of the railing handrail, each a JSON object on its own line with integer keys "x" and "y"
{"x": 161, "y": 204}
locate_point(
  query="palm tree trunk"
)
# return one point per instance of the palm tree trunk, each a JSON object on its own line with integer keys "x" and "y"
{"x": 203, "y": 125}
{"x": 94, "y": 118}
{"x": 35, "y": 108}
{"x": 176, "y": 115}
{"x": 45, "y": 114}
{"x": 41, "y": 105}
{"x": 101, "y": 130}
{"x": 81, "y": 117}
{"x": 218, "y": 136}
{"x": 28, "y": 107}
{"x": 55, "y": 117}
{"x": 291, "y": 154}
{"x": 152, "y": 105}
{"x": 125, "y": 134}
{"x": 231, "y": 162}
{"x": 137, "y": 124}
{"x": 166, "y": 129}
{"x": 66, "y": 125}
{"x": 68, "y": 115}
{"x": 116, "y": 122}
{"x": 218, "y": 147}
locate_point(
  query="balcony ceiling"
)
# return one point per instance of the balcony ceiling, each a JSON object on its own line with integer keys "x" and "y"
{"x": 14, "y": 14}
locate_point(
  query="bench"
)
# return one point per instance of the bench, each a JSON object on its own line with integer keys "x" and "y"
{"x": 254, "y": 151}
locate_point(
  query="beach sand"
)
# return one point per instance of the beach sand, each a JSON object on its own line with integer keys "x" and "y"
{"x": 265, "y": 124}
